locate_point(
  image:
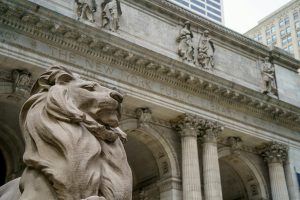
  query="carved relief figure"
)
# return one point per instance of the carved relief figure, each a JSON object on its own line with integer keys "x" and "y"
{"x": 144, "y": 116}
{"x": 206, "y": 51}
{"x": 86, "y": 9}
{"x": 268, "y": 76}
{"x": 21, "y": 79}
{"x": 74, "y": 148}
{"x": 111, "y": 12}
{"x": 185, "y": 40}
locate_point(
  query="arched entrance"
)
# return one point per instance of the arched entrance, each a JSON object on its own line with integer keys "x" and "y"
{"x": 2, "y": 169}
{"x": 152, "y": 161}
{"x": 240, "y": 179}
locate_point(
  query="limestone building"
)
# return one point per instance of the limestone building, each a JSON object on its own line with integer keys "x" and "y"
{"x": 210, "y": 114}
{"x": 280, "y": 28}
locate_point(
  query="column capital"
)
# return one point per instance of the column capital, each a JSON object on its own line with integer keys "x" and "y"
{"x": 186, "y": 125}
{"x": 274, "y": 152}
{"x": 210, "y": 130}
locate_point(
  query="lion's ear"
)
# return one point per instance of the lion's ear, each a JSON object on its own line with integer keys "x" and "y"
{"x": 64, "y": 78}
{"x": 55, "y": 75}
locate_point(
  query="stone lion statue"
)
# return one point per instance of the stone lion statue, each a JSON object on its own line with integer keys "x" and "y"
{"x": 74, "y": 147}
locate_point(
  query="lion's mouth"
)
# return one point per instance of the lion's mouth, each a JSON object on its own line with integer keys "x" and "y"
{"x": 109, "y": 118}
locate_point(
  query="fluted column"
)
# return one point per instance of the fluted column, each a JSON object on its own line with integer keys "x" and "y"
{"x": 186, "y": 125}
{"x": 275, "y": 154}
{"x": 209, "y": 132}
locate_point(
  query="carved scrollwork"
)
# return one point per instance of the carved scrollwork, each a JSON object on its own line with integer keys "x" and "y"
{"x": 274, "y": 152}
{"x": 209, "y": 130}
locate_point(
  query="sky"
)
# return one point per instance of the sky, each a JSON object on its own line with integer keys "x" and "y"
{"x": 242, "y": 15}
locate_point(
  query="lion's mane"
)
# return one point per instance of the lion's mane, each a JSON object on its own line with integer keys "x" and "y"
{"x": 63, "y": 144}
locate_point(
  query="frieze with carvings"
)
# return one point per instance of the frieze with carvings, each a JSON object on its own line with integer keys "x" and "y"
{"x": 110, "y": 12}
{"x": 195, "y": 83}
{"x": 185, "y": 43}
{"x": 205, "y": 49}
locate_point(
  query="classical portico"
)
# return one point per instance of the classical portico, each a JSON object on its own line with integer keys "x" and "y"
{"x": 199, "y": 127}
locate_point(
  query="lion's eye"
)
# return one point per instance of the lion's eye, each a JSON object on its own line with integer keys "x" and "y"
{"x": 90, "y": 87}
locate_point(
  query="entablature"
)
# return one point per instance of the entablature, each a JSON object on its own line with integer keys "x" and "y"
{"x": 66, "y": 33}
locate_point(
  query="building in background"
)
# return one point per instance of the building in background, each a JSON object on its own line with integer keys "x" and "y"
{"x": 281, "y": 28}
{"x": 211, "y": 9}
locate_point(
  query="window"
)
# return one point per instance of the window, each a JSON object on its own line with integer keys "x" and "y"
{"x": 213, "y": 4}
{"x": 282, "y": 33}
{"x": 273, "y": 38}
{"x": 298, "y": 34}
{"x": 291, "y": 49}
{"x": 198, "y": 3}
{"x": 269, "y": 41}
{"x": 296, "y": 15}
{"x": 268, "y": 31}
{"x": 281, "y": 23}
{"x": 287, "y": 21}
{"x": 273, "y": 29}
{"x": 297, "y": 25}
{"x": 284, "y": 41}
{"x": 213, "y": 10}
{"x": 288, "y": 30}
{"x": 259, "y": 37}
{"x": 289, "y": 39}
{"x": 214, "y": 17}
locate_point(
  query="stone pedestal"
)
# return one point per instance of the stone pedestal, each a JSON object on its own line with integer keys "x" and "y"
{"x": 191, "y": 184}
{"x": 275, "y": 154}
{"x": 211, "y": 169}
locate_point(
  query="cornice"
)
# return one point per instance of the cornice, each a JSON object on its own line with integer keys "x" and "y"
{"x": 220, "y": 31}
{"x": 71, "y": 34}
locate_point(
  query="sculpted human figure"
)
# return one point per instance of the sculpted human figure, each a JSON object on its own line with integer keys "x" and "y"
{"x": 185, "y": 40}
{"x": 206, "y": 51}
{"x": 73, "y": 146}
{"x": 111, "y": 12}
{"x": 86, "y": 9}
{"x": 268, "y": 76}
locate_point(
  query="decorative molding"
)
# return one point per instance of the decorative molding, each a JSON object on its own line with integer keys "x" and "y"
{"x": 201, "y": 83}
{"x": 274, "y": 152}
{"x": 170, "y": 183}
{"x": 209, "y": 130}
{"x": 186, "y": 125}
{"x": 144, "y": 116}
{"x": 235, "y": 144}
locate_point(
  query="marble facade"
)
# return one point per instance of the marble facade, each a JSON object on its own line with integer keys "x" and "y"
{"x": 193, "y": 133}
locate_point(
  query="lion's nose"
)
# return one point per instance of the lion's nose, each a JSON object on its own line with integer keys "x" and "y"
{"x": 116, "y": 96}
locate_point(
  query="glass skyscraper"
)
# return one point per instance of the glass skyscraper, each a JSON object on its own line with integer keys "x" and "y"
{"x": 211, "y": 9}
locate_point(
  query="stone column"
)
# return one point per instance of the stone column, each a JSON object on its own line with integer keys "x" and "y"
{"x": 209, "y": 131}
{"x": 186, "y": 125}
{"x": 275, "y": 154}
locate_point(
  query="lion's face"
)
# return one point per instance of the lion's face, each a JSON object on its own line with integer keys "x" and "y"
{"x": 100, "y": 103}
